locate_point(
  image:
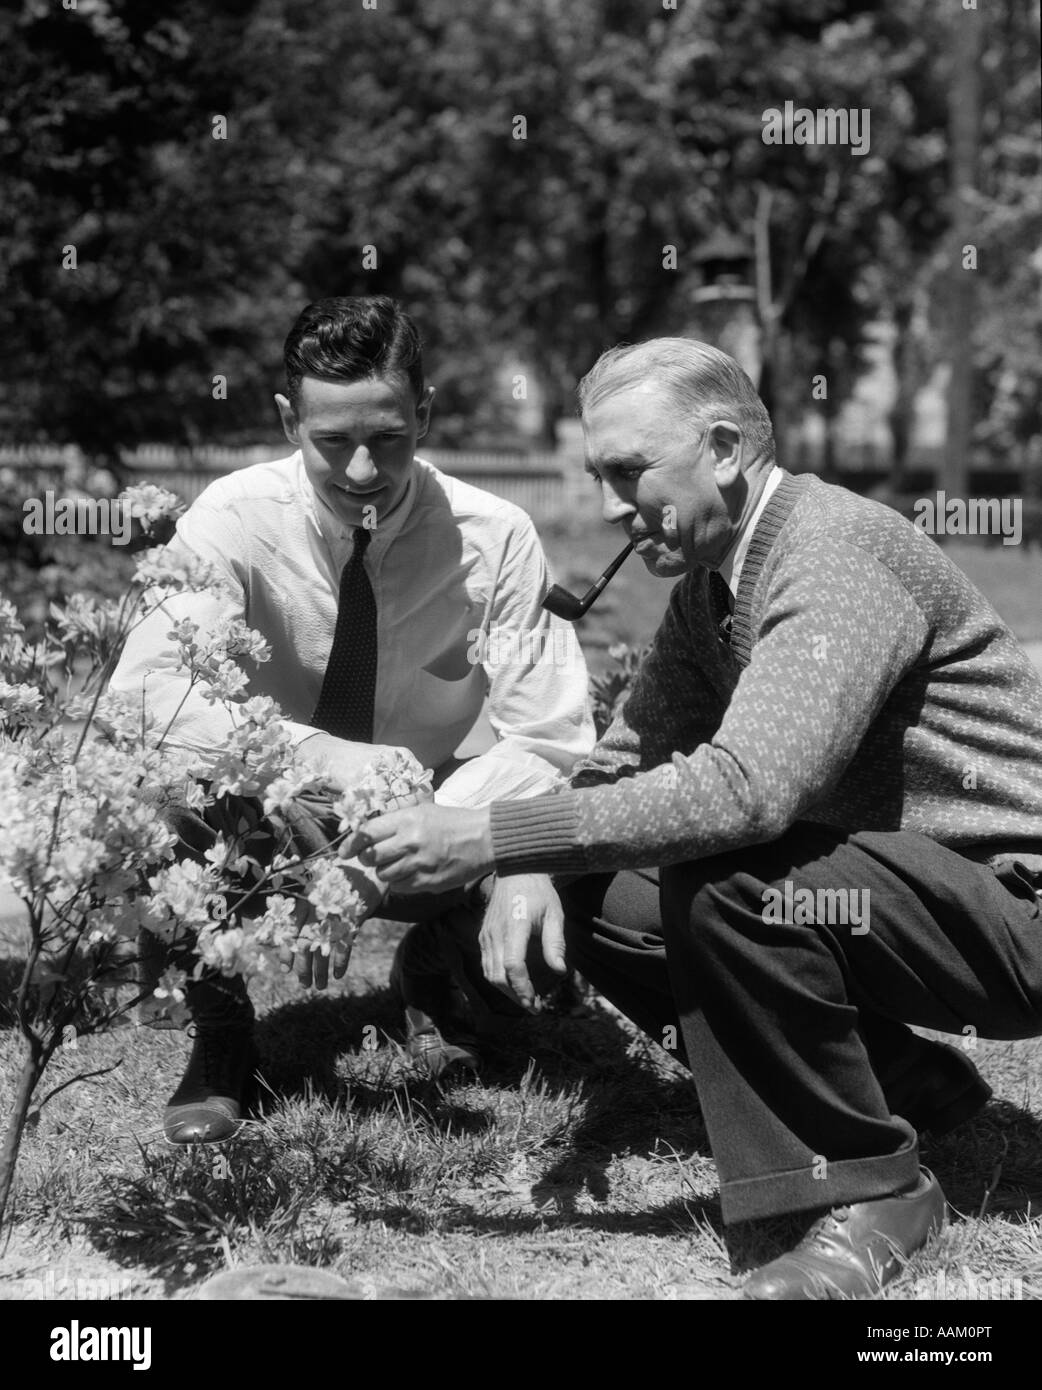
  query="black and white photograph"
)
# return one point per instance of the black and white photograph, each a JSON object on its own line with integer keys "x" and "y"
{"x": 521, "y": 666}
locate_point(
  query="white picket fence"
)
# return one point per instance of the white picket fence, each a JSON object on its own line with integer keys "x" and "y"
{"x": 539, "y": 483}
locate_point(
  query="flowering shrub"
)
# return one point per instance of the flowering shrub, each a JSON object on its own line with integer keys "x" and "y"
{"x": 86, "y": 781}
{"x": 610, "y": 691}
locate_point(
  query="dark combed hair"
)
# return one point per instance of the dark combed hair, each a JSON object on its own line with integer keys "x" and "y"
{"x": 352, "y": 338}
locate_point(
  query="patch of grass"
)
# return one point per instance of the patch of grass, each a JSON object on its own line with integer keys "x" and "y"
{"x": 1009, "y": 576}
{"x": 576, "y": 1167}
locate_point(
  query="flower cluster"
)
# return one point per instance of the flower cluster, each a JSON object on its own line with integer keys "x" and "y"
{"x": 150, "y": 504}
{"x": 216, "y": 662}
{"x": 163, "y": 570}
{"x": 86, "y": 623}
{"x": 393, "y": 780}
{"x": 74, "y": 835}
{"x": 19, "y": 704}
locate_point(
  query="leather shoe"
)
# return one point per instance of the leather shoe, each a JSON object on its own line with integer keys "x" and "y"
{"x": 431, "y": 1052}
{"x": 216, "y": 1090}
{"x": 440, "y": 1028}
{"x": 852, "y": 1251}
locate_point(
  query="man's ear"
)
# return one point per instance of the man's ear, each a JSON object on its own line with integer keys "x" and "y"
{"x": 289, "y": 419}
{"x": 423, "y": 412}
{"x": 725, "y": 443}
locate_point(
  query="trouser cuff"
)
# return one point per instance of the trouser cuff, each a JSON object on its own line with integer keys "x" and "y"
{"x": 824, "y": 1183}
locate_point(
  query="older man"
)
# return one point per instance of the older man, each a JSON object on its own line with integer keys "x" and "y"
{"x": 833, "y": 754}
{"x": 395, "y": 599}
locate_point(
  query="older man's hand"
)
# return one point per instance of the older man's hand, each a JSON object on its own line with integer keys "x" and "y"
{"x": 521, "y": 907}
{"x": 427, "y": 848}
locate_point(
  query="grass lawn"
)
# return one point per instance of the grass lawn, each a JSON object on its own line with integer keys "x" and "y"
{"x": 577, "y": 1167}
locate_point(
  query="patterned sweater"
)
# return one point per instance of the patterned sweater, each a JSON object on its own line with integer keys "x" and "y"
{"x": 867, "y": 685}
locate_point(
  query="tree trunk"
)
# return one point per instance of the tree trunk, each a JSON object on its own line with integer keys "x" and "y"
{"x": 901, "y": 412}
{"x": 964, "y": 129}
{"x": 32, "y": 1070}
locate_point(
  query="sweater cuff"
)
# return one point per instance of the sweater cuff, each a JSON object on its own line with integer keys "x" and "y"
{"x": 537, "y": 835}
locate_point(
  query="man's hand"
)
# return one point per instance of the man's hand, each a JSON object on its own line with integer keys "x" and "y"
{"x": 341, "y": 762}
{"x": 521, "y": 907}
{"x": 312, "y": 967}
{"x": 427, "y": 848}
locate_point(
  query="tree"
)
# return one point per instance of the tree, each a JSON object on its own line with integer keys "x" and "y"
{"x": 139, "y": 258}
{"x": 531, "y": 180}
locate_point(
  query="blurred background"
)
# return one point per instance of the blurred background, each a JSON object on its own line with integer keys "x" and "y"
{"x": 535, "y": 181}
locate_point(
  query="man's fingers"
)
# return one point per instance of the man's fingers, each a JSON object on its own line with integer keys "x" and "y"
{"x": 515, "y": 962}
{"x": 380, "y": 828}
{"x": 383, "y": 855}
{"x": 553, "y": 938}
{"x": 521, "y": 985}
{"x": 406, "y": 877}
{"x": 304, "y": 968}
{"x": 496, "y": 969}
{"x": 341, "y": 956}
{"x": 312, "y": 967}
{"x": 491, "y": 959}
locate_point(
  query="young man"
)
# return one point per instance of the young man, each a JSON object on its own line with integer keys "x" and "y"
{"x": 833, "y": 753}
{"x": 369, "y": 573}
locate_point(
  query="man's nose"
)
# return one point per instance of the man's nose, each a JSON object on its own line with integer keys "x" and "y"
{"x": 613, "y": 508}
{"x": 361, "y": 470}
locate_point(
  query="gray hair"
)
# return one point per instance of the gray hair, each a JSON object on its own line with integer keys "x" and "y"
{"x": 702, "y": 381}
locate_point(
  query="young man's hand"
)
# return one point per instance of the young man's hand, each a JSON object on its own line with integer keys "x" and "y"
{"x": 312, "y": 967}
{"x": 341, "y": 762}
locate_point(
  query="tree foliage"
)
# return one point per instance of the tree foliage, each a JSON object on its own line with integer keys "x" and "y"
{"x": 378, "y": 150}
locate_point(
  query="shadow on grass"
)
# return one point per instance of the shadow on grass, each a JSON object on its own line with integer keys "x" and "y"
{"x": 993, "y": 1164}
{"x": 184, "y": 1216}
{"x": 629, "y": 1105}
{"x": 667, "y": 1220}
{"x": 301, "y": 1042}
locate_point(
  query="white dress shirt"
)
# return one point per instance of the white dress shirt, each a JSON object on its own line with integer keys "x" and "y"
{"x": 449, "y": 563}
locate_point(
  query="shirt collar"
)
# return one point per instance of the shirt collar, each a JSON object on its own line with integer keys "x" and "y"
{"x": 731, "y": 569}
{"x": 336, "y": 532}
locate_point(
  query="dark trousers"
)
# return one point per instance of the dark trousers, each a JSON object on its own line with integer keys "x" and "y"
{"x": 790, "y": 1029}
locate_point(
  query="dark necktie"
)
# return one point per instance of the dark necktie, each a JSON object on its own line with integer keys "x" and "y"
{"x": 345, "y": 706}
